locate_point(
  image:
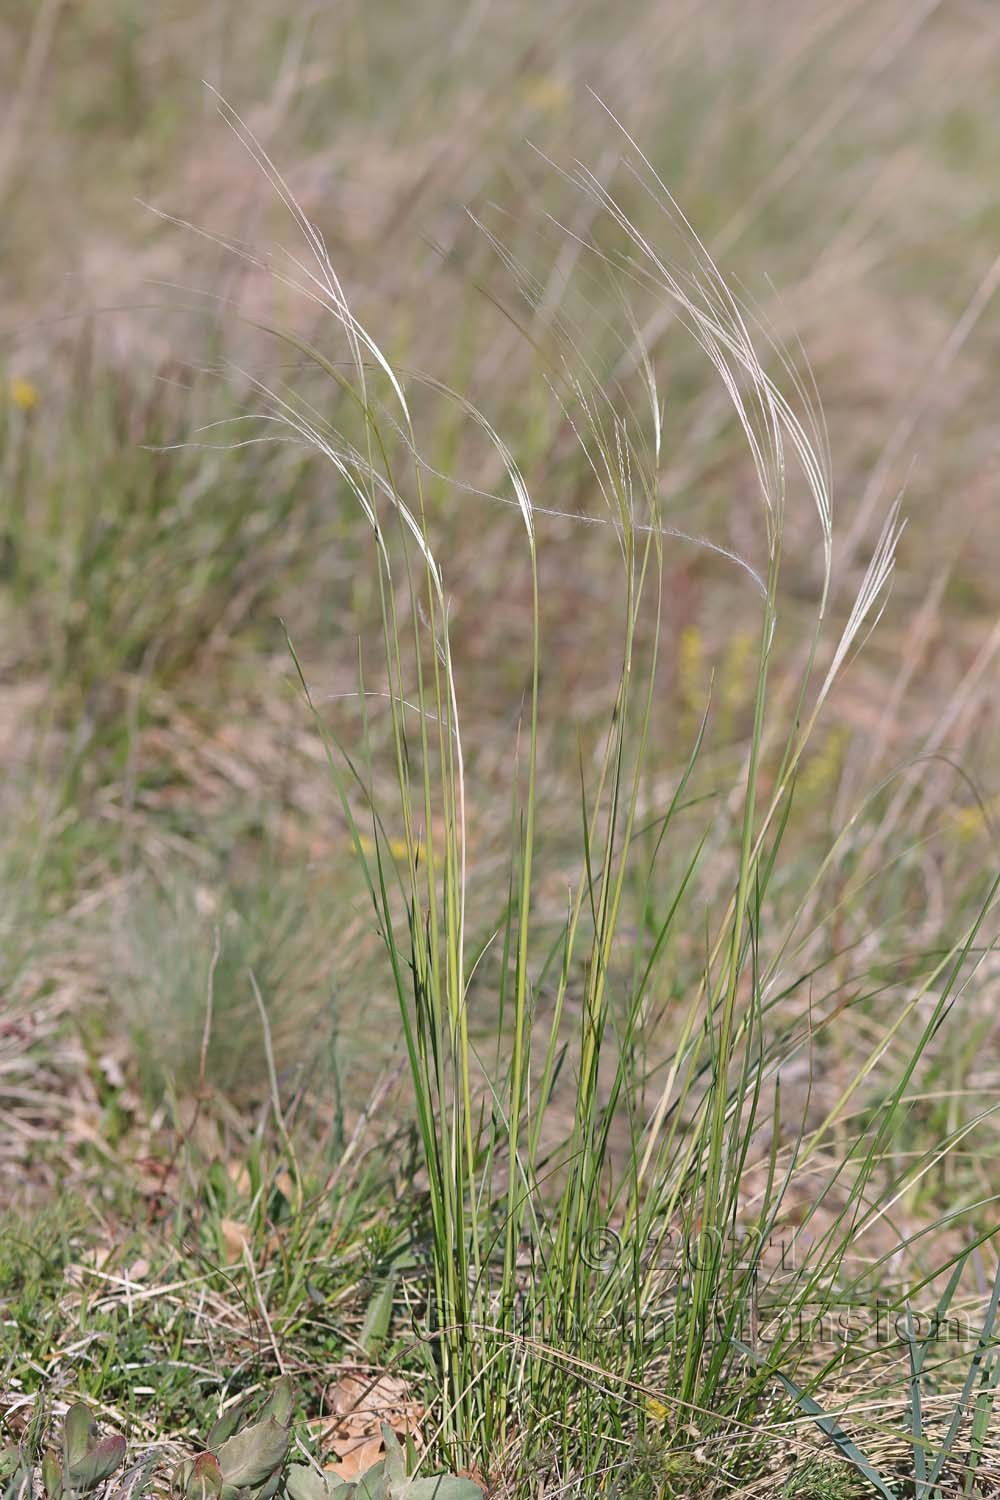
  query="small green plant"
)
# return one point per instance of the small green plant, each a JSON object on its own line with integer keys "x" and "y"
{"x": 386, "y": 1480}
{"x": 657, "y": 1471}
{"x": 242, "y": 1460}
{"x": 15, "y": 1475}
{"x": 87, "y": 1460}
{"x": 83, "y": 1464}
{"x": 821, "y": 1479}
{"x": 246, "y": 1461}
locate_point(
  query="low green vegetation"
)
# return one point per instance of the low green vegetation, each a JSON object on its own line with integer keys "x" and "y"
{"x": 244, "y": 1457}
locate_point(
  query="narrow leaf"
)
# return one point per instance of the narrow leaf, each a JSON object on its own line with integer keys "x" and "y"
{"x": 975, "y": 1366}
{"x": 826, "y": 1424}
{"x": 915, "y": 1352}
{"x": 378, "y": 1316}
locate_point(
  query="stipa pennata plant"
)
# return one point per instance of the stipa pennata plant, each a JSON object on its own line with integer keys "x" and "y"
{"x": 525, "y": 1309}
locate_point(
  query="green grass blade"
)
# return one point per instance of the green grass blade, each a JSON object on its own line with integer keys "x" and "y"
{"x": 826, "y": 1423}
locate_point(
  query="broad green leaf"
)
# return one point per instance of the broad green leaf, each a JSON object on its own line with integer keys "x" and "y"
{"x": 395, "y": 1463}
{"x": 270, "y": 1487}
{"x": 373, "y": 1485}
{"x": 205, "y": 1478}
{"x": 438, "y": 1487}
{"x": 79, "y": 1433}
{"x": 250, "y": 1457}
{"x": 303, "y": 1482}
{"x": 281, "y": 1402}
{"x": 52, "y": 1476}
{"x": 98, "y": 1464}
{"x": 225, "y": 1427}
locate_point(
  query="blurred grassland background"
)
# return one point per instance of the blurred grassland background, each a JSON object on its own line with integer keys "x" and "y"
{"x": 164, "y": 791}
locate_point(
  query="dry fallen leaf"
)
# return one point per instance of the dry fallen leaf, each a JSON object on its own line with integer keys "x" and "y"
{"x": 355, "y": 1456}
{"x": 97, "y": 1257}
{"x": 112, "y": 1069}
{"x": 239, "y": 1176}
{"x": 235, "y": 1236}
{"x": 359, "y": 1404}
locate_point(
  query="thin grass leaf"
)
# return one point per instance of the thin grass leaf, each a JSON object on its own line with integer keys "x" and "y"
{"x": 826, "y": 1423}
{"x": 985, "y": 1342}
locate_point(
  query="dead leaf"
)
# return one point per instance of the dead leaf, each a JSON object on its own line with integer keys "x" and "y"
{"x": 239, "y": 1176}
{"x": 97, "y": 1256}
{"x": 235, "y": 1237}
{"x": 355, "y": 1456}
{"x": 112, "y": 1069}
{"x": 359, "y": 1404}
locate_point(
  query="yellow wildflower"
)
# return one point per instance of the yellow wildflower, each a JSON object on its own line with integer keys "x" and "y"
{"x": 737, "y": 680}
{"x": 822, "y": 771}
{"x": 691, "y": 680}
{"x": 546, "y": 93}
{"x": 24, "y": 395}
{"x": 974, "y": 819}
{"x": 396, "y": 847}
